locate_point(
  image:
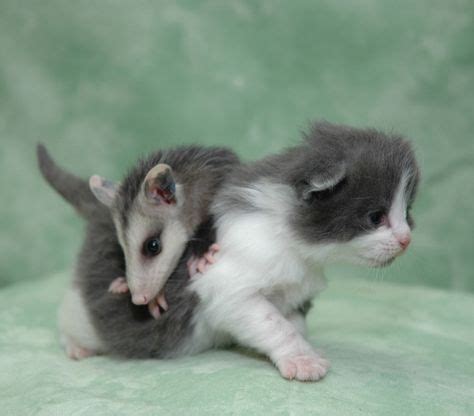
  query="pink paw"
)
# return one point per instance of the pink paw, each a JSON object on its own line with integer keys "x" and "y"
{"x": 200, "y": 264}
{"x": 118, "y": 286}
{"x": 75, "y": 352}
{"x": 303, "y": 367}
{"x": 157, "y": 303}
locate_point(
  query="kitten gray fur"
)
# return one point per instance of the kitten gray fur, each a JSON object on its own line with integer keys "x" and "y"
{"x": 373, "y": 163}
{"x": 124, "y": 328}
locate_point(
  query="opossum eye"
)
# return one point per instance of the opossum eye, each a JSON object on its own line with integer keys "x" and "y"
{"x": 151, "y": 247}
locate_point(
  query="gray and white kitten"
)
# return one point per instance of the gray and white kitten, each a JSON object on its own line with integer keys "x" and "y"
{"x": 344, "y": 194}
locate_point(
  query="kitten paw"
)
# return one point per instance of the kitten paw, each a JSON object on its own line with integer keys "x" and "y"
{"x": 157, "y": 303}
{"x": 118, "y": 286}
{"x": 200, "y": 264}
{"x": 303, "y": 367}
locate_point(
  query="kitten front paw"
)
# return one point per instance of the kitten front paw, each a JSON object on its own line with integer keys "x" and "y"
{"x": 118, "y": 286}
{"x": 303, "y": 367}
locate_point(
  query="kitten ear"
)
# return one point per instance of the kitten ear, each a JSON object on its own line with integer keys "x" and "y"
{"x": 103, "y": 189}
{"x": 323, "y": 184}
{"x": 159, "y": 185}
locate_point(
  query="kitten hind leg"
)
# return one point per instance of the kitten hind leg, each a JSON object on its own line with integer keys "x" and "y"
{"x": 73, "y": 350}
{"x": 77, "y": 333}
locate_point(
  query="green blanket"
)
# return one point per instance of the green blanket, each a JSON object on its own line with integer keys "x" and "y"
{"x": 394, "y": 351}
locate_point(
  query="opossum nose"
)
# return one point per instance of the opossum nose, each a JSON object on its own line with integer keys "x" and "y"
{"x": 138, "y": 299}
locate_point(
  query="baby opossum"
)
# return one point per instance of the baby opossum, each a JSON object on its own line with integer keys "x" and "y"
{"x": 344, "y": 194}
{"x": 156, "y": 210}
{"x": 156, "y": 217}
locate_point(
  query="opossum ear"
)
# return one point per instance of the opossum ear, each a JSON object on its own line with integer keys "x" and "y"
{"x": 159, "y": 185}
{"x": 322, "y": 185}
{"x": 103, "y": 189}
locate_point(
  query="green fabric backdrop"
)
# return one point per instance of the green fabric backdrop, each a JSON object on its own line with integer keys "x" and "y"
{"x": 103, "y": 82}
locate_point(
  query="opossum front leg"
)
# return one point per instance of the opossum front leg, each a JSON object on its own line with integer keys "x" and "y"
{"x": 200, "y": 264}
{"x": 119, "y": 286}
{"x": 157, "y": 303}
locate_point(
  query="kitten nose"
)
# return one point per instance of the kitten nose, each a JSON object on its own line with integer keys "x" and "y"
{"x": 404, "y": 241}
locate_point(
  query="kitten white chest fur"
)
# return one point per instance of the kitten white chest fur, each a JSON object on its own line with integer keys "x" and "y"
{"x": 252, "y": 293}
{"x": 257, "y": 265}
{"x": 256, "y": 255}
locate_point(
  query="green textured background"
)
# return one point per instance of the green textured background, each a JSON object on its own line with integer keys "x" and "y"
{"x": 101, "y": 82}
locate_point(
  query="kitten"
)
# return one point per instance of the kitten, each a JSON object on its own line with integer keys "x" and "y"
{"x": 343, "y": 195}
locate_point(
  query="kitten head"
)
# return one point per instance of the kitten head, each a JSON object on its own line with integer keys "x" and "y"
{"x": 354, "y": 201}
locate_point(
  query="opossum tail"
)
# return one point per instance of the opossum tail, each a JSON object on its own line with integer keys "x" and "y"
{"x": 73, "y": 189}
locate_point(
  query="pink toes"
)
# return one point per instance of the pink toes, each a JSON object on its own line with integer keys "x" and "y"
{"x": 303, "y": 367}
{"x": 157, "y": 303}
{"x": 118, "y": 286}
{"x": 200, "y": 265}
{"x": 155, "y": 306}
{"x": 76, "y": 352}
{"x": 161, "y": 301}
{"x": 192, "y": 266}
{"x": 154, "y": 309}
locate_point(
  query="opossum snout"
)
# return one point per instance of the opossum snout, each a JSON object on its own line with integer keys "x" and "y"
{"x": 140, "y": 299}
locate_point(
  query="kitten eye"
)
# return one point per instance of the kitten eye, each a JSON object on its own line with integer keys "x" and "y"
{"x": 377, "y": 218}
{"x": 151, "y": 247}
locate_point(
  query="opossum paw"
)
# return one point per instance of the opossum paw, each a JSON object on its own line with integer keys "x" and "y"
{"x": 200, "y": 264}
{"x": 157, "y": 304}
{"x": 119, "y": 286}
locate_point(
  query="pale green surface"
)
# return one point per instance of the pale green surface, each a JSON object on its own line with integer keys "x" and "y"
{"x": 101, "y": 82}
{"x": 394, "y": 351}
